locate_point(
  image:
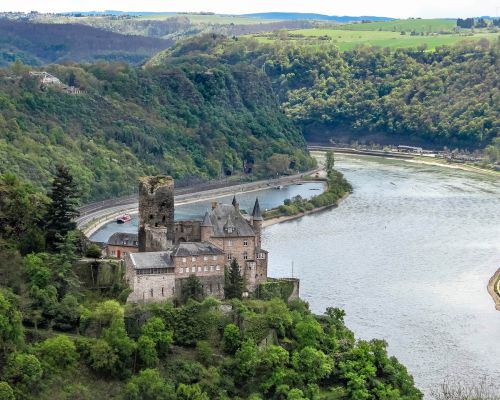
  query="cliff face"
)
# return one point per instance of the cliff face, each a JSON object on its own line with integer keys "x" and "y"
{"x": 186, "y": 117}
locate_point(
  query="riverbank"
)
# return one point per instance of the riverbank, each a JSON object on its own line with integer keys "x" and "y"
{"x": 494, "y": 288}
{"x": 446, "y": 164}
{"x": 285, "y": 218}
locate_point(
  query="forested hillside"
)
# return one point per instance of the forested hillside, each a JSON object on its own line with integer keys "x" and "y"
{"x": 39, "y": 44}
{"x": 65, "y": 336}
{"x": 187, "y": 117}
{"x": 449, "y": 96}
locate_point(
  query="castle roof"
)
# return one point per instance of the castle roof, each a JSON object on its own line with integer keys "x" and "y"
{"x": 256, "y": 214}
{"x": 206, "y": 220}
{"x": 124, "y": 239}
{"x": 234, "y": 202}
{"x": 225, "y": 216}
{"x": 156, "y": 259}
{"x": 188, "y": 249}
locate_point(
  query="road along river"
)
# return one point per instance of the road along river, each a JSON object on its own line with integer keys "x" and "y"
{"x": 408, "y": 256}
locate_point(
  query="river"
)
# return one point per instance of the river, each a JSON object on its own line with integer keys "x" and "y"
{"x": 268, "y": 198}
{"x": 408, "y": 256}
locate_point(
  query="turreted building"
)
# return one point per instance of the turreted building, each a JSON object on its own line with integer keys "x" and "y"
{"x": 170, "y": 251}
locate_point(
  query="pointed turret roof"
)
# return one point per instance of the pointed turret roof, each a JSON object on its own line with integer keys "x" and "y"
{"x": 256, "y": 214}
{"x": 234, "y": 202}
{"x": 206, "y": 220}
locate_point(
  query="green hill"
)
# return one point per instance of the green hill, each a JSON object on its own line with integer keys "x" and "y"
{"x": 187, "y": 118}
{"x": 445, "y": 97}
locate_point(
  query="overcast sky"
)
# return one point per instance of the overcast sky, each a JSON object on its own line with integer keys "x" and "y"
{"x": 387, "y": 8}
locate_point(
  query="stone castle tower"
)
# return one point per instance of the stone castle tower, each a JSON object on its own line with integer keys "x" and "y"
{"x": 156, "y": 213}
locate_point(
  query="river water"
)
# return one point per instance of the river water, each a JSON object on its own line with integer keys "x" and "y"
{"x": 408, "y": 256}
{"x": 268, "y": 198}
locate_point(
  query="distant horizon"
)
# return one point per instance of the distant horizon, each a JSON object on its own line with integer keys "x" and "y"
{"x": 426, "y": 9}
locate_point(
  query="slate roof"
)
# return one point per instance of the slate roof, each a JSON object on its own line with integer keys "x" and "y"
{"x": 256, "y": 214}
{"x": 188, "y": 249}
{"x": 157, "y": 259}
{"x": 225, "y": 216}
{"x": 206, "y": 220}
{"x": 124, "y": 239}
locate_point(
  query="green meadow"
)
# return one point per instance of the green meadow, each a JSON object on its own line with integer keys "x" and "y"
{"x": 407, "y": 25}
{"x": 348, "y": 39}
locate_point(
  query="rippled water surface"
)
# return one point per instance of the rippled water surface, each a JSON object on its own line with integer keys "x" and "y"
{"x": 268, "y": 198}
{"x": 408, "y": 256}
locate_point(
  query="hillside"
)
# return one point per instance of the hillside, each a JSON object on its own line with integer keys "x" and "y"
{"x": 186, "y": 117}
{"x": 313, "y": 16}
{"x": 409, "y": 25}
{"x": 38, "y": 44}
{"x": 445, "y": 97}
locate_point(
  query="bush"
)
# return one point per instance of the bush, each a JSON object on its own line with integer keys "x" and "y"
{"x": 58, "y": 353}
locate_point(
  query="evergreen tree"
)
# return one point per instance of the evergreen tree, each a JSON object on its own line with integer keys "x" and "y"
{"x": 233, "y": 281}
{"x": 330, "y": 162}
{"x": 63, "y": 207}
{"x": 192, "y": 289}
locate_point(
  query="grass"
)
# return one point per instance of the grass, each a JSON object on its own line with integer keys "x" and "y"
{"x": 349, "y": 39}
{"x": 407, "y": 25}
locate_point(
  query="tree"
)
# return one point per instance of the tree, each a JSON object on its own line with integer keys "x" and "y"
{"x": 63, "y": 208}
{"x": 191, "y": 288}
{"x": 312, "y": 364}
{"x": 191, "y": 392}
{"x": 6, "y": 392}
{"x": 93, "y": 251}
{"x": 155, "y": 329}
{"x": 329, "y": 162}
{"x": 233, "y": 281}
{"x": 149, "y": 385}
{"x": 231, "y": 338}
{"x": 58, "y": 353}
{"x": 146, "y": 349}
{"x": 24, "y": 370}
{"x": 247, "y": 359}
{"x": 11, "y": 329}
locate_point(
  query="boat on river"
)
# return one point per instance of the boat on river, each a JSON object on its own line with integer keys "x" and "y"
{"x": 124, "y": 218}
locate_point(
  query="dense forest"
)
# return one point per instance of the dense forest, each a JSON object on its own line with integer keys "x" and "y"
{"x": 61, "y": 339}
{"x": 39, "y": 44}
{"x": 448, "y": 97}
{"x": 188, "y": 117}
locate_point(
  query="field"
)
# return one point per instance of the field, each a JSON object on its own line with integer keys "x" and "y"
{"x": 406, "y": 25}
{"x": 348, "y": 39}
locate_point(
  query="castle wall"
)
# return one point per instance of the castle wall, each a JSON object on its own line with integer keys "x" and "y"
{"x": 187, "y": 231}
{"x": 156, "y": 210}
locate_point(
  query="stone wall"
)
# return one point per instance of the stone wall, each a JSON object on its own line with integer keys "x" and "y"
{"x": 156, "y": 209}
{"x": 187, "y": 231}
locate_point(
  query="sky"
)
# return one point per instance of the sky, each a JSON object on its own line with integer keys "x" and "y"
{"x": 386, "y": 8}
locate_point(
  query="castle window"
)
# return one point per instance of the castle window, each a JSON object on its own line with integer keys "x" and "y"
{"x": 205, "y": 258}
{"x": 135, "y": 242}
{"x": 162, "y": 292}
{"x": 199, "y": 269}
{"x": 193, "y": 269}
{"x": 229, "y": 256}
{"x": 112, "y": 252}
{"x": 217, "y": 267}
{"x": 211, "y": 268}
{"x": 210, "y": 288}
{"x": 245, "y": 256}
{"x": 229, "y": 243}
{"x": 183, "y": 259}
{"x": 214, "y": 258}
{"x": 229, "y": 230}
{"x": 245, "y": 243}
{"x": 205, "y": 268}
{"x": 151, "y": 292}
{"x": 193, "y": 258}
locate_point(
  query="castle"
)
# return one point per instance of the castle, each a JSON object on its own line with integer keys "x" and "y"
{"x": 170, "y": 251}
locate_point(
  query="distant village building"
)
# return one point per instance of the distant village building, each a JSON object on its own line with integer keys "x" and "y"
{"x": 169, "y": 251}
